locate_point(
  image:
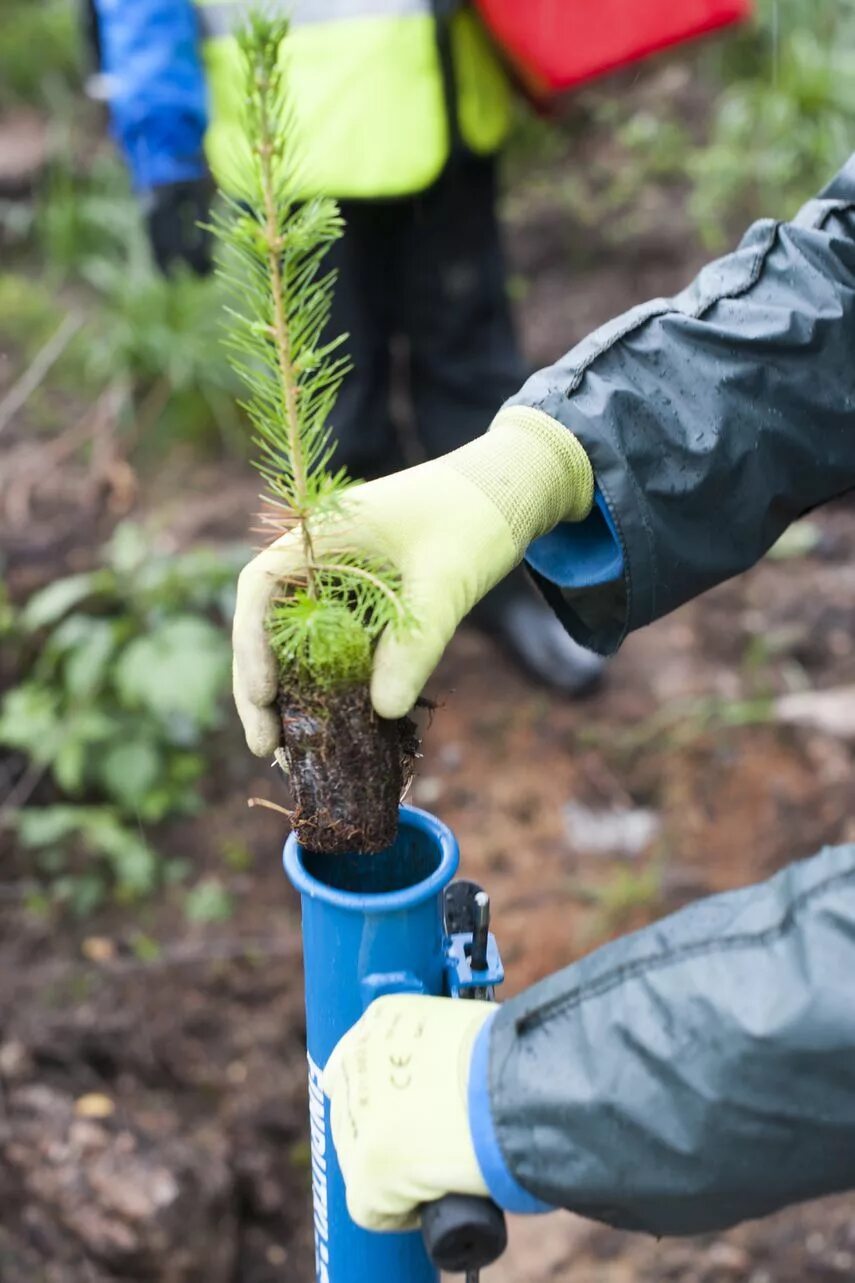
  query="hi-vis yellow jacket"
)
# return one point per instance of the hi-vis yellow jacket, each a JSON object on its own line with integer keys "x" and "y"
{"x": 379, "y": 88}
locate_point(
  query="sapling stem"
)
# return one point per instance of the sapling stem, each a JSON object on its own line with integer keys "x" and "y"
{"x": 266, "y": 151}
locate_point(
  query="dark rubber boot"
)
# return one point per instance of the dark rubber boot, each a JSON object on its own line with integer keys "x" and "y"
{"x": 517, "y": 617}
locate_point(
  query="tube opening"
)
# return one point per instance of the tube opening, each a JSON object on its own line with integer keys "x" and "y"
{"x": 412, "y": 858}
{"x": 419, "y": 863}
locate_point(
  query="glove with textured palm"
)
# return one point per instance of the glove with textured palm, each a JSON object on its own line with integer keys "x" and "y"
{"x": 453, "y": 527}
{"x": 398, "y": 1088}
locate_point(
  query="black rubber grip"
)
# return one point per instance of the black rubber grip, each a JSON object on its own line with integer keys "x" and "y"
{"x": 463, "y": 1233}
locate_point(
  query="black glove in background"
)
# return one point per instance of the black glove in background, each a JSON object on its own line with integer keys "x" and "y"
{"x": 173, "y": 213}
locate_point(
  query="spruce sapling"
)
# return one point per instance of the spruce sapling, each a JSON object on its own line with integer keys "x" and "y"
{"x": 346, "y": 764}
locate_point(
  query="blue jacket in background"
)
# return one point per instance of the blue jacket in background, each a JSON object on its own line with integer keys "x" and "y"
{"x": 156, "y": 88}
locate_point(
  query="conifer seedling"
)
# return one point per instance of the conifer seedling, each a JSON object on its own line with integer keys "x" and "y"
{"x": 346, "y": 764}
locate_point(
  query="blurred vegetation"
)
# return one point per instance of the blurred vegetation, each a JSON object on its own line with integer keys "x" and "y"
{"x": 784, "y": 117}
{"x": 160, "y": 338}
{"x": 121, "y": 672}
{"x": 40, "y": 53}
{"x": 124, "y": 671}
{"x": 627, "y": 899}
{"x": 745, "y": 125}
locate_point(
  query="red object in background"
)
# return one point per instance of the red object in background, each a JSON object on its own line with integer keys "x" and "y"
{"x": 555, "y": 44}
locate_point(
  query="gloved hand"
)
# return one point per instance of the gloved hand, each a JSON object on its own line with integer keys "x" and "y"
{"x": 173, "y": 213}
{"x": 452, "y": 527}
{"x": 398, "y": 1086}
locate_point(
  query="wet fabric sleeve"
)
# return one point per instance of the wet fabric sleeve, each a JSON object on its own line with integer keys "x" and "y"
{"x": 155, "y": 87}
{"x": 690, "y": 1076}
{"x": 712, "y": 420}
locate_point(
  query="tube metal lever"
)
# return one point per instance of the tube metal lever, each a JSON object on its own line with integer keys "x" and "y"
{"x": 463, "y": 1234}
{"x": 480, "y": 931}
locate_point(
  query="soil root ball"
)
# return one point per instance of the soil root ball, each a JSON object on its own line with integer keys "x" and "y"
{"x": 348, "y": 769}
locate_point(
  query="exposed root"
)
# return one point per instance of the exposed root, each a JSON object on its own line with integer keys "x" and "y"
{"x": 271, "y": 806}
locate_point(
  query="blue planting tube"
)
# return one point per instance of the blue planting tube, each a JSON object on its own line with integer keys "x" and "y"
{"x": 371, "y": 925}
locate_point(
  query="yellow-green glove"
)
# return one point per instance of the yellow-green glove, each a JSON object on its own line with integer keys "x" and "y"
{"x": 398, "y": 1085}
{"x": 452, "y": 527}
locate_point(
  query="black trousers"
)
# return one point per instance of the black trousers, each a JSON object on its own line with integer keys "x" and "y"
{"x": 421, "y": 293}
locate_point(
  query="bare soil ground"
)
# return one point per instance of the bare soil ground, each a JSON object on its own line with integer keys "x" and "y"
{"x": 152, "y": 1112}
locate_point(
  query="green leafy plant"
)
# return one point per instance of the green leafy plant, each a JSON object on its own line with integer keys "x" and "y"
{"x": 125, "y": 673}
{"x": 324, "y": 625}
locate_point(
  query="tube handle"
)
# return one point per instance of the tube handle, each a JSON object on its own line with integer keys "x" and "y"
{"x": 462, "y": 1233}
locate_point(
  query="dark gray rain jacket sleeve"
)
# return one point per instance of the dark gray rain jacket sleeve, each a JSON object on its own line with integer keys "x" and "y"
{"x": 697, "y": 1073}
{"x": 715, "y": 418}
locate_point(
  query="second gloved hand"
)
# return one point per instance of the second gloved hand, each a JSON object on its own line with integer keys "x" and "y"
{"x": 453, "y": 528}
{"x": 398, "y": 1088}
{"x": 175, "y": 216}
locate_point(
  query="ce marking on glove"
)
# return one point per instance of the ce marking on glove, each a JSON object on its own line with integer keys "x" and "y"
{"x": 400, "y": 1076}
{"x": 402, "y": 1034}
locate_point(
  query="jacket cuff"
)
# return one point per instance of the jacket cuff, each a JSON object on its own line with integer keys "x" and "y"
{"x": 504, "y": 1189}
{"x": 578, "y": 555}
